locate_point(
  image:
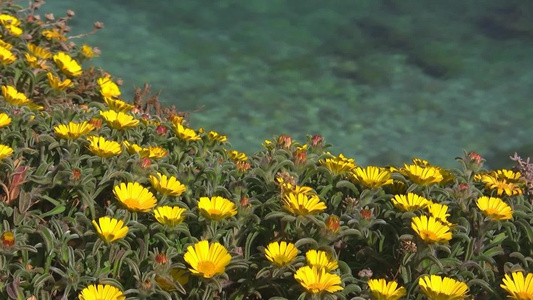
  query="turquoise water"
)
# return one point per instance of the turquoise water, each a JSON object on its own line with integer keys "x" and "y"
{"x": 382, "y": 81}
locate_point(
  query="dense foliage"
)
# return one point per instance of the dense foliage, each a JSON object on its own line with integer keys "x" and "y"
{"x": 103, "y": 198}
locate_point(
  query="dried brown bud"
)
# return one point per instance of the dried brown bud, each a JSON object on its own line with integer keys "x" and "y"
{"x": 49, "y": 17}
{"x": 119, "y": 81}
{"x": 70, "y": 13}
{"x": 98, "y": 25}
{"x": 365, "y": 273}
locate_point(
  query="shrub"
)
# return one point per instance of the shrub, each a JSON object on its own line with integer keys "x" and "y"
{"x": 105, "y": 199}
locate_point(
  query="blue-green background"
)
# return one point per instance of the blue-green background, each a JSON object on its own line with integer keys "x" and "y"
{"x": 383, "y": 81}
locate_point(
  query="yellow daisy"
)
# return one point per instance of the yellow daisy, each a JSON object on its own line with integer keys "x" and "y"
{"x": 57, "y": 84}
{"x": 108, "y": 88}
{"x": 35, "y": 62}
{"x": 207, "y": 260}
{"x": 167, "y": 185}
{"x": 103, "y": 148}
{"x": 502, "y": 186}
{"x": 40, "y": 52}
{"x": 156, "y": 152}
{"x": 410, "y": 202}
{"x": 430, "y": 230}
{"x": 11, "y": 24}
{"x": 422, "y": 175}
{"x": 118, "y": 120}
{"x": 5, "y": 151}
{"x": 518, "y": 287}
{"x": 215, "y": 136}
{"x": 87, "y": 51}
{"x": 169, "y": 216}
{"x": 118, "y": 105}
{"x": 6, "y": 56}
{"x": 13, "y": 96}
{"x": 442, "y": 288}
{"x": 317, "y": 281}
{"x": 237, "y": 156}
{"x": 216, "y": 208}
{"x": 67, "y": 65}
{"x": 439, "y": 212}
{"x": 101, "y": 292}
{"x": 383, "y": 290}
{"x": 494, "y": 208}
{"x": 72, "y": 130}
{"x": 303, "y": 204}
{"x": 372, "y": 177}
{"x": 185, "y": 133}
{"x": 509, "y": 175}
{"x": 135, "y": 197}
{"x": 338, "y": 164}
{"x": 321, "y": 260}
{"x": 110, "y": 229}
{"x": 5, "y": 120}
{"x": 281, "y": 253}
{"x": 54, "y": 34}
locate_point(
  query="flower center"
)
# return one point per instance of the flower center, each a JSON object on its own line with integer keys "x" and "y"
{"x": 428, "y": 235}
{"x": 207, "y": 268}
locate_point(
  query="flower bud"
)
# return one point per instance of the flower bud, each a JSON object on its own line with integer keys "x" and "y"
{"x": 333, "y": 223}
{"x": 8, "y": 239}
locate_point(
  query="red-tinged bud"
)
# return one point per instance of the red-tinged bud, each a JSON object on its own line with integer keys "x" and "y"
{"x": 366, "y": 213}
{"x": 162, "y": 130}
{"x": 300, "y": 158}
{"x": 76, "y": 174}
{"x": 474, "y": 157}
{"x": 96, "y": 122}
{"x": 161, "y": 258}
{"x": 8, "y": 239}
{"x": 243, "y": 166}
{"x": 333, "y": 223}
{"x": 317, "y": 141}
{"x": 145, "y": 162}
{"x": 244, "y": 201}
{"x": 463, "y": 186}
{"x": 284, "y": 141}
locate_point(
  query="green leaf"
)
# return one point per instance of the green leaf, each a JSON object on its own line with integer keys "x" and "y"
{"x": 54, "y": 211}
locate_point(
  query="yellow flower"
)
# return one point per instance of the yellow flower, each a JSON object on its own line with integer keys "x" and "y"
{"x": 118, "y": 120}
{"x": 422, "y": 175}
{"x": 509, "y": 175}
{"x": 5, "y": 151}
{"x": 13, "y": 96}
{"x": 54, "y": 34}
{"x": 215, "y": 136}
{"x": 156, "y": 152}
{"x": 439, "y": 212}
{"x": 494, "y": 208}
{"x": 73, "y": 130}
{"x": 372, "y": 177}
{"x": 167, "y": 185}
{"x": 4, "y": 120}
{"x": 321, "y": 260}
{"x": 87, "y": 51}
{"x": 303, "y": 204}
{"x": 430, "y": 230}
{"x": 442, "y": 288}
{"x": 108, "y": 88}
{"x": 34, "y": 62}
{"x": 216, "y": 208}
{"x": 135, "y": 197}
{"x": 383, "y": 290}
{"x": 39, "y": 51}
{"x": 101, "y": 292}
{"x": 410, "y": 202}
{"x": 104, "y": 148}
{"x": 11, "y": 24}
{"x": 67, "y": 65}
{"x": 118, "y": 105}
{"x": 134, "y": 148}
{"x": 6, "y": 56}
{"x": 502, "y": 186}
{"x": 518, "y": 287}
{"x": 8, "y": 46}
{"x": 237, "y": 156}
{"x": 185, "y": 133}
{"x": 281, "y": 253}
{"x": 317, "y": 281}
{"x": 176, "y": 275}
{"x": 57, "y": 84}
{"x": 338, "y": 164}
{"x": 207, "y": 260}
{"x": 169, "y": 216}
{"x": 110, "y": 229}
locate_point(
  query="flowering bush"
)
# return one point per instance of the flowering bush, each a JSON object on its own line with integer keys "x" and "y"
{"x": 108, "y": 199}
